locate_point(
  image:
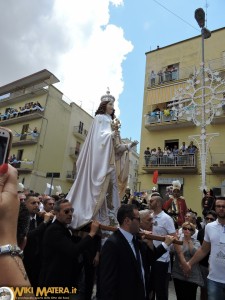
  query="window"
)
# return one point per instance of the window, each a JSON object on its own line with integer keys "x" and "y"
{"x": 77, "y": 148}
{"x": 171, "y": 72}
{"x": 171, "y": 144}
{"x": 19, "y": 154}
{"x": 24, "y": 131}
{"x": 81, "y": 127}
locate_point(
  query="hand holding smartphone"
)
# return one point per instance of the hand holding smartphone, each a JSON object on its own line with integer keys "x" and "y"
{"x": 5, "y": 144}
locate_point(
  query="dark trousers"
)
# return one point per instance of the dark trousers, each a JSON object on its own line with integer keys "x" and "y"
{"x": 185, "y": 290}
{"x": 159, "y": 280}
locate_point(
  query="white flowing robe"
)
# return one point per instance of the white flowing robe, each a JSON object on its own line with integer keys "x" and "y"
{"x": 95, "y": 170}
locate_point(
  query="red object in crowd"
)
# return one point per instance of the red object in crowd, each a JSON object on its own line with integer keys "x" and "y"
{"x": 3, "y": 169}
{"x": 155, "y": 176}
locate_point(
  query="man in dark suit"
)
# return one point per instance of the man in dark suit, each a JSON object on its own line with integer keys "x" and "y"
{"x": 61, "y": 250}
{"x": 124, "y": 261}
{"x": 32, "y": 254}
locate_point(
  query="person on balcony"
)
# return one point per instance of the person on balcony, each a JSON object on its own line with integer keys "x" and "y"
{"x": 153, "y": 158}
{"x": 152, "y": 77}
{"x": 166, "y": 154}
{"x": 176, "y": 205}
{"x": 35, "y": 133}
{"x": 159, "y": 155}
{"x": 192, "y": 150}
{"x": 175, "y": 152}
{"x": 160, "y": 74}
{"x": 168, "y": 74}
{"x": 174, "y": 73}
{"x": 183, "y": 148}
{"x": 147, "y": 155}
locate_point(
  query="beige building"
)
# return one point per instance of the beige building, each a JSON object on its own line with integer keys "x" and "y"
{"x": 133, "y": 167}
{"x": 48, "y": 133}
{"x": 167, "y": 71}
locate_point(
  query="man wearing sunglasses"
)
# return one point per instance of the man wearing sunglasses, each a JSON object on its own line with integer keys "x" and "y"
{"x": 61, "y": 250}
{"x": 37, "y": 227}
{"x": 214, "y": 242}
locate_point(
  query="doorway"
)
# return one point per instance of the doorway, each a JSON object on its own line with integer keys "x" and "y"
{"x": 171, "y": 144}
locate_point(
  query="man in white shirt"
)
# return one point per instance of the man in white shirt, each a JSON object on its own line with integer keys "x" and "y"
{"x": 162, "y": 225}
{"x": 214, "y": 240}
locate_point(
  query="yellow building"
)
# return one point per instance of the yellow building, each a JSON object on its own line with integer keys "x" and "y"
{"x": 48, "y": 133}
{"x": 167, "y": 71}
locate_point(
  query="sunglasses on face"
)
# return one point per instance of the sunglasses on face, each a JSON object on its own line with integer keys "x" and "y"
{"x": 209, "y": 219}
{"x": 220, "y": 206}
{"x": 67, "y": 211}
{"x": 187, "y": 228}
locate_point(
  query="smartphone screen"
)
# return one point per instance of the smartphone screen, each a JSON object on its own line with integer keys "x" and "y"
{"x": 3, "y": 149}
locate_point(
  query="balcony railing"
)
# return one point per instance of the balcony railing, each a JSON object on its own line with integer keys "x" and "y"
{"x": 19, "y": 117}
{"x": 158, "y": 120}
{"x": 25, "y": 139}
{"x": 23, "y": 167}
{"x": 186, "y": 163}
{"x": 218, "y": 162}
{"x": 71, "y": 175}
{"x": 80, "y": 133}
{"x": 184, "y": 73}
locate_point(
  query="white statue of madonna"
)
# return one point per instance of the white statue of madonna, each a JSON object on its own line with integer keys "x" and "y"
{"x": 102, "y": 170}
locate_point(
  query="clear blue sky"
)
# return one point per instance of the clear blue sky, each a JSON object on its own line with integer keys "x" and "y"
{"x": 146, "y": 24}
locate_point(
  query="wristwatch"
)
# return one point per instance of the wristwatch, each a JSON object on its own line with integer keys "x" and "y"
{"x": 11, "y": 249}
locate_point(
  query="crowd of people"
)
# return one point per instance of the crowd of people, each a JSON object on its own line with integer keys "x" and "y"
{"x": 171, "y": 156}
{"x": 89, "y": 237}
{"x": 12, "y": 112}
{"x": 128, "y": 265}
{"x": 170, "y": 73}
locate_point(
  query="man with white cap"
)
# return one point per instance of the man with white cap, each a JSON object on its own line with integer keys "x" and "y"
{"x": 176, "y": 205}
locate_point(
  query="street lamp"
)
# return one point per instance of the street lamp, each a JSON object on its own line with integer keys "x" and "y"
{"x": 200, "y": 18}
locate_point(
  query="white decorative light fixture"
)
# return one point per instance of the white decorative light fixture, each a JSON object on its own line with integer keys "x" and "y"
{"x": 200, "y": 101}
{"x": 203, "y": 97}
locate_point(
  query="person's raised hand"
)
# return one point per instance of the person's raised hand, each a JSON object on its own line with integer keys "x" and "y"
{"x": 94, "y": 228}
{"x": 9, "y": 204}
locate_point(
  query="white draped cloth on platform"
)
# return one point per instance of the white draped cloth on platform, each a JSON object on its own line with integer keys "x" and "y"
{"x": 94, "y": 194}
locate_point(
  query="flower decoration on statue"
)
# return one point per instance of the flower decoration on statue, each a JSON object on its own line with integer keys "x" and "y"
{"x": 116, "y": 124}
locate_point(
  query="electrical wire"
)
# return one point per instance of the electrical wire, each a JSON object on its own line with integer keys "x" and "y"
{"x": 176, "y": 15}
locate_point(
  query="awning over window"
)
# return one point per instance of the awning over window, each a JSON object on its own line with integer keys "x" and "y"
{"x": 163, "y": 94}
